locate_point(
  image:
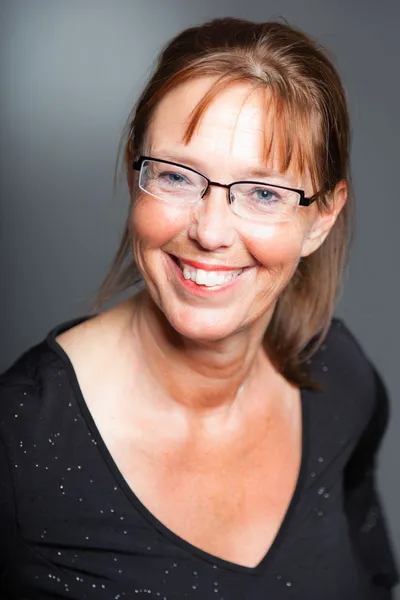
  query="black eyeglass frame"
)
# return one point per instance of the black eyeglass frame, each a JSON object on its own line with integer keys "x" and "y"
{"x": 304, "y": 201}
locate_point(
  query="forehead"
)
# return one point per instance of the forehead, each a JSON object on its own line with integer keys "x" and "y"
{"x": 233, "y": 125}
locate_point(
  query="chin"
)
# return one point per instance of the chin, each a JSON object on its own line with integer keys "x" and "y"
{"x": 205, "y": 325}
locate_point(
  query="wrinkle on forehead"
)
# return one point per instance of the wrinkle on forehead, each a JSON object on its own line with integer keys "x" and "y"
{"x": 234, "y": 124}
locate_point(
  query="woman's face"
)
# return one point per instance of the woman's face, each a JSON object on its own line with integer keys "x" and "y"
{"x": 226, "y": 147}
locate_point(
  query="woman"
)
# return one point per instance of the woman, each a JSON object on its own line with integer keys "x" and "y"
{"x": 215, "y": 434}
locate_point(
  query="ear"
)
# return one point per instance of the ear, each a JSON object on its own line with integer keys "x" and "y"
{"x": 325, "y": 220}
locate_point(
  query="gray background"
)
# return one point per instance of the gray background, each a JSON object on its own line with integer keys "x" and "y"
{"x": 69, "y": 73}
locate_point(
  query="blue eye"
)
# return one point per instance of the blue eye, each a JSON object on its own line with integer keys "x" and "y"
{"x": 265, "y": 195}
{"x": 173, "y": 178}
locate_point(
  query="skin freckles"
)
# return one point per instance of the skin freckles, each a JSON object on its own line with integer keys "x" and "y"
{"x": 217, "y": 334}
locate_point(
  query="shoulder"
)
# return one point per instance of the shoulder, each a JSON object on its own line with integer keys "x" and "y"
{"x": 34, "y": 386}
{"x": 346, "y": 353}
{"x": 353, "y": 387}
{"x": 345, "y": 361}
{"x": 36, "y": 372}
{"x": 25, "y": 382}
{"x": 39, "y": 381}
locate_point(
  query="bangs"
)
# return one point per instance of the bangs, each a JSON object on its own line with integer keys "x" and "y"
{"x": 291, "y": 132}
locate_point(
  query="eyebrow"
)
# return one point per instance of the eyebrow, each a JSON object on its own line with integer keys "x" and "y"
{"x": 258, "y": 171}
{"x": 264, "y": 172}
{"x": 179, "y": 159}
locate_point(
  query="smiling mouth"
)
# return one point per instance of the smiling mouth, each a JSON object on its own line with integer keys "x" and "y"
{"x": 208, "y": 278}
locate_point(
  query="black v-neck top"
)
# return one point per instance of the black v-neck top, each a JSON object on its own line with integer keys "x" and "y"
{"x": 72, "y": 528}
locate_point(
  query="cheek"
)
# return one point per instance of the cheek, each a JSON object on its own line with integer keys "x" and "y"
{"x": 153, "y": 223}
{"x": 276, "y": 247}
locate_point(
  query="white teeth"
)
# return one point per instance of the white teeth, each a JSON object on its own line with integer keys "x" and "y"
{"x": 209, "y": 278}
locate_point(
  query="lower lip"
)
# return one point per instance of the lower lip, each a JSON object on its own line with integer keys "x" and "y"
{"x": 203, "y": 290}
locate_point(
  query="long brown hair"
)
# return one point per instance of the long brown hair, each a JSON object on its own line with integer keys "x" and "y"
{"x": 310, "y": 128}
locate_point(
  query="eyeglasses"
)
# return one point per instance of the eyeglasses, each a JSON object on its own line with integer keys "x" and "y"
{"x": 180, "y": 185}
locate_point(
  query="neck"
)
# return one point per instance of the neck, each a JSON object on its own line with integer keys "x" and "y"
{"x": 208, "y": 379}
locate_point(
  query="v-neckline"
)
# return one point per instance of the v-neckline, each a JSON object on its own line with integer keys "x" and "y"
{"x": 216, "y": 561}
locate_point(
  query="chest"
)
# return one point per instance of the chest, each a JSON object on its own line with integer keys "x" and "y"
{"x": 228, "y": 498}
{"x": 227, "y": 493}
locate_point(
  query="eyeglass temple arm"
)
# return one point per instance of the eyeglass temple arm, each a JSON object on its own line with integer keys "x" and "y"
{"x": 307, "y": 201}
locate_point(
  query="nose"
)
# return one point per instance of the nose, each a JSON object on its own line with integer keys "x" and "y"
{"x": 213, "y": 221}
